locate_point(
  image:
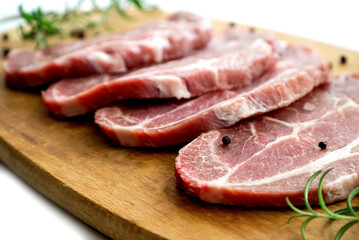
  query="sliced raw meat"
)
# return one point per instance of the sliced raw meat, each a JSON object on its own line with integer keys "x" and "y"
{"x": 169, "y": 122}
{"x": 233, "y": 60}
{"x": 272, "y": 156}
{"x": 164, "y": 40}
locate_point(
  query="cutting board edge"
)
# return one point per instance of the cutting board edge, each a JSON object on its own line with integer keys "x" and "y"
{"x": 60, "y": 194}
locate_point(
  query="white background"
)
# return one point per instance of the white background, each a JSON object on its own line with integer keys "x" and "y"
{"x": 26, "y": 214}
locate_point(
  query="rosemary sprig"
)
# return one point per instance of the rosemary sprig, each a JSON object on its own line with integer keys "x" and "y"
{"x": 41, "y": 25}
{"x": 348, "y": 213}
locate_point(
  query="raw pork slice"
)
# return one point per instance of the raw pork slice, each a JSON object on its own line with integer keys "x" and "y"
{"x": 272, "y": 156}
{"x": 232, "y": 60}
{"x": 166, "y": 123}
{"x": 164, "y": 40}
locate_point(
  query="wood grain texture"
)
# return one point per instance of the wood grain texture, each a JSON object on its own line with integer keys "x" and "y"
{"x": 130, "y": 193}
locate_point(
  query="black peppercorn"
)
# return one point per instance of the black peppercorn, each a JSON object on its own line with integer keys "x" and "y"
{"x": 81, "y": 34}
{"x": 77, "y": 33}
{"x": 323, "y": 145}
{"x": 5, "y": 37}
{"x": 226, "y": 140}
{"x": 251, "y": 29}
{"x": 343, "y": 59}
{"x": 330, "y": 65}
{"x": 232, "y": 24}
{"x": 5, "y": 51}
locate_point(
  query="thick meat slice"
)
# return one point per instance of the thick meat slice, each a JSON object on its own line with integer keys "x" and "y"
{"x": 166, "y": 123}
{"x": 272, "y": 156}
{"x": 232, "y": 60}
{"x": 160, "y": 41}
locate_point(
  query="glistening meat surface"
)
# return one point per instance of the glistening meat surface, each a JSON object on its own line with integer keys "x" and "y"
{"x": 272, "y": 156}
{"x": 232, "y": 60}
{"x": 157, "y": 42}
{"x": 171, "y": 122}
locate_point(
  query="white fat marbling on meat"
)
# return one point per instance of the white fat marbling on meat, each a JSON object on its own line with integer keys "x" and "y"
{"x": 309, "y": 106}
{"x": 173, "y": 86}
{"x": 207, "y": 65}
{"x": 235, "y": 109}
{"x": 338, "y": 189}
{"x": 98, "y": 60}
{"x": 170, "y": 85}
{"x": 283, "y": 44}
{"x": 230, "y": 111}
{"x": 127, "y": 136}
{"x": 253, "y": 129}
{"x": 72, "y": 103}
{"x": 157, "y": 44}
{"x": 333, "y": 156}
{"x": 260, "y": 44}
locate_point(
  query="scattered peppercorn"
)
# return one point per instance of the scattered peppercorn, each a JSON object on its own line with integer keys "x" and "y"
{"x": 323, "y": 145}
{"x": 81, "y": 35}
{"x": 78, "y": 33}
{"x": 251, "y": 29}
{"x": 5, "y": 51}
{"x": 232, "y": 24}
{"x": 343, "y": 59}
{"x": 330, "y": 65}
{"x": 5, "y": 37}
{"x": 226, "y": 140}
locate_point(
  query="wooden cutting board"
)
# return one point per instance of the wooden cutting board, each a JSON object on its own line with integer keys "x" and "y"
{"x": 130, "y": 193}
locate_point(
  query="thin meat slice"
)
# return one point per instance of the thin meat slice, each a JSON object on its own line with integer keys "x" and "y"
{"x": 157, "y": 42}
{"x": 168, "y": 122}
{"x": 272, "y": 156}
{"x": 232, "y": 60}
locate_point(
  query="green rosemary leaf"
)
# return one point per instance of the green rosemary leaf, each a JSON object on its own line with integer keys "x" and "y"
{"x": 42, "y": 24}
{"x": 296, "y": 216}
{"x": 320, "y": 195}
{"x": 295, "y": 208}
{"x": 348, "y": 213}
{"x": 24, "y": 34}
{"x": 306, "y": 191}
{"x": 138, "y": 4}
{"x": 41, "y": 41}
{"x": 24, "y": 15}
{"x": 345, "y": 211}
{"x": 342, "y": 230}
{"x": 350, "y": 198}
{"x": 304, "y": 226}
